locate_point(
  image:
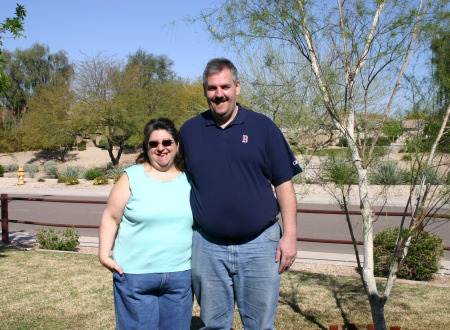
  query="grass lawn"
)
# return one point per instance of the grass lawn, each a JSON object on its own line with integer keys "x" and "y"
{"x": 53, "y": 290}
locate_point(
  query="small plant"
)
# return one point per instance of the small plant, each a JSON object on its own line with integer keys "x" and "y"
{"x": 13, "y": 167}
{"x": 31, "y": 169}
{"x": 2, "y": 171}
{"x": 81, "y": 146}
{"x": 51, "y": 168}
{"x": 66, "y": 240}
{"x": 340, "y": 171}
{"x": 101, "y": 180}
{"x": 72, "y": 172}
{"x": 41, "y": 180}
{"x": 92, "y": 174}
{"x": 109, "y": 165}
{"x": 68, "y": 180}
{"x": 388, "y": 174}
{"x": 406, "y": 158}
{"x": 116, "y": 171}
{"x": 423, "y": 258}
{"x": 103, "y": 143}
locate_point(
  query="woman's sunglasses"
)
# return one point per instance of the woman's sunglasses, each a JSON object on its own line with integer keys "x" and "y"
{"x": 165, "y": 143}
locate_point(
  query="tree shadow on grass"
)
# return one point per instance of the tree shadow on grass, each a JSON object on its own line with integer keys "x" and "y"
{"x": 348, "y": 294}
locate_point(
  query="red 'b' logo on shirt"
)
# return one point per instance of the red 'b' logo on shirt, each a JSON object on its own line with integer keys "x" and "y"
{"x": 244, "y": 138}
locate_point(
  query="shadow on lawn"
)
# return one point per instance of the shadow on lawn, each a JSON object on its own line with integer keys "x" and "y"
{"x": 348, "y": 295}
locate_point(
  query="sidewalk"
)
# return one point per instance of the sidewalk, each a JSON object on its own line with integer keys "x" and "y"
{"x": 306, "y": 257}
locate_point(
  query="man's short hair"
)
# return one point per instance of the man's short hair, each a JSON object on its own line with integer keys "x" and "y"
{"x": 218, "y": 64}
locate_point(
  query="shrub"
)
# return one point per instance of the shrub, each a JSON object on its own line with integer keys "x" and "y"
{"x": 31, "y": 169}
{"x": 41, "y": 180}
{"x": 68, "y": 180}
{"x": 2, "y": 171}
{"x": 423, "y": 258}
{"x": 66, "y": 240}
{"x": 383, "y": 141}
{"x": 340, "y": 171}
{"x": 51, "y": 168}
{"x": 109, "y": 165}
{"x": 72, "y": 172}
{"x": 406, "y": 158}
{"x": 389, "y": 174}
{"x": 101, "y": 180}
{"x": 116, "y": 171}
{"x": 104, "y": 144}
{"x": 92, "y": 174}
{"x": 13, "y": 167}
{"x": 81, "y": 146}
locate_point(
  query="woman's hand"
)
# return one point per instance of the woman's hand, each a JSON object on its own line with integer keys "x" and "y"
{"x": 111, "y": 265}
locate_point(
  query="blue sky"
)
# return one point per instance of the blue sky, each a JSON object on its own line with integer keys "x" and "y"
{"x": 118, "y": 27}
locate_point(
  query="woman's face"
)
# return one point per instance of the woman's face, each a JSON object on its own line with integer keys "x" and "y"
{"x": 162, "y": 150}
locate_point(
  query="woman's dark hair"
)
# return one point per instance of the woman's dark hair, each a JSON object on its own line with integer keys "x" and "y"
{"x": 160, "y": 124}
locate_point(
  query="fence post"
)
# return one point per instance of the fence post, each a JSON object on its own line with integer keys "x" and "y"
{"x": 5, "y": 224}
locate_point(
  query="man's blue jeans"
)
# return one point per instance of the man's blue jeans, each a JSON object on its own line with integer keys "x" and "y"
{"x": 223, "y": 273}
{"x": 153, "y": 301}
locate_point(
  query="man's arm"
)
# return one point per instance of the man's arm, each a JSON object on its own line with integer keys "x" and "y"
{"x": 287, "y": 247}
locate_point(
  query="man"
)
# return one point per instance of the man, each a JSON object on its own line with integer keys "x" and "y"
{"x": 235, "y": 156}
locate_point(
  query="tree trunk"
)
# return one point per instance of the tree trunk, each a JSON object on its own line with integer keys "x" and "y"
{"x": 377, "y": 309}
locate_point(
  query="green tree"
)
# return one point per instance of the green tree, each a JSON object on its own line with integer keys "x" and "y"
{"x": 49, "y": 123}
{"x": 14, "y": 26}
{"x": 154, "y": 68}
{"x": 353, "y": 47}
{"x": 30, "y": 68}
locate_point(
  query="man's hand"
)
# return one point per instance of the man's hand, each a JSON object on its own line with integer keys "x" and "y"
{"x": 286, "y": 252}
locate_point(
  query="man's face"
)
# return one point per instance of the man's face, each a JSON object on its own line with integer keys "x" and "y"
{"x": 220, "y": 92}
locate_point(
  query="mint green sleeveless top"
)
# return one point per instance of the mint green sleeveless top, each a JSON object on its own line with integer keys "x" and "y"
{"x": 155, "y": 234}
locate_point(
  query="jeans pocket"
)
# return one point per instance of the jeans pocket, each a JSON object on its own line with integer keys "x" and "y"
{"x": 273, "y": 233}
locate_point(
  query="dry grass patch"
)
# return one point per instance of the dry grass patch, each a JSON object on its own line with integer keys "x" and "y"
{"x": 51, "y": 290}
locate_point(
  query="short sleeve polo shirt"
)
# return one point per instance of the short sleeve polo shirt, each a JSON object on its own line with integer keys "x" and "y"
{"x": 233, "y": 170}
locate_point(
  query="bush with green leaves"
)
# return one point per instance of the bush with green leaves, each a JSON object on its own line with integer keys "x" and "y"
{"x": 51, "y": 168}
{"x": 13, "y": 167}
{"x": 103, "y": 143}
{"x": 389, "y": 174}
{"x": 72, "y": 172}
{"x": 422, "y": 261}
{"x": 101, "y": 180}
{"x": 31, "y": 169}
{"x": 81, "y": 146}
{"x": 340, "y": 170}
{"x": 65, "y": 240}
{"x": 2, "y": 171}
{"x": 68, "y": 180}
{"x": 91, "y": 174}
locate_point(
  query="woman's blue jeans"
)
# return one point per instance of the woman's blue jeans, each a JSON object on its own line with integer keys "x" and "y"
{"x": 153, "y": 301}
{"x": 223, "y": 273}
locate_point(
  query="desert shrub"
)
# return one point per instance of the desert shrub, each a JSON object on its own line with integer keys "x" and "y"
{"x": 116, "y": 171}
{"x": 81, "y": 146}
{"x": 72, "y": 172}
{"x": 423, "y": 258}
{"x": 31, "y": 169}
{"x": 340, "y": 171}
{"x": 406, "y": 158}
{"x": 66, "y": 240}
{"x": 389, "y": 174}
{"x": 51, "y": 168}
{"x": 383, "y": 141}
{"x": 101, "y": 180}
{"x": 103, "y": 143}
{"x": 91, "y": 174}
{"x": 68, "y": 180}
{"x": 393, "y": 129}
{"x": 2, "y": 171}
{"x": 13, "y": 167}
{"x": 109, "y": 165}
{"x": 41, "y": 180}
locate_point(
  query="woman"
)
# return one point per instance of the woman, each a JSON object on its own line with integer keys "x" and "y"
{"x": 152, "y": 250}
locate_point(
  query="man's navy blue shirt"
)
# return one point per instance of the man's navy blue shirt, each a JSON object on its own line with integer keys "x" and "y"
{"x": 232, "y": 171}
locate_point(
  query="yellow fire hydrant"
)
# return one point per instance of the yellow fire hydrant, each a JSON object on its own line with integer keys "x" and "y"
{"x": 21, "y": 175}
